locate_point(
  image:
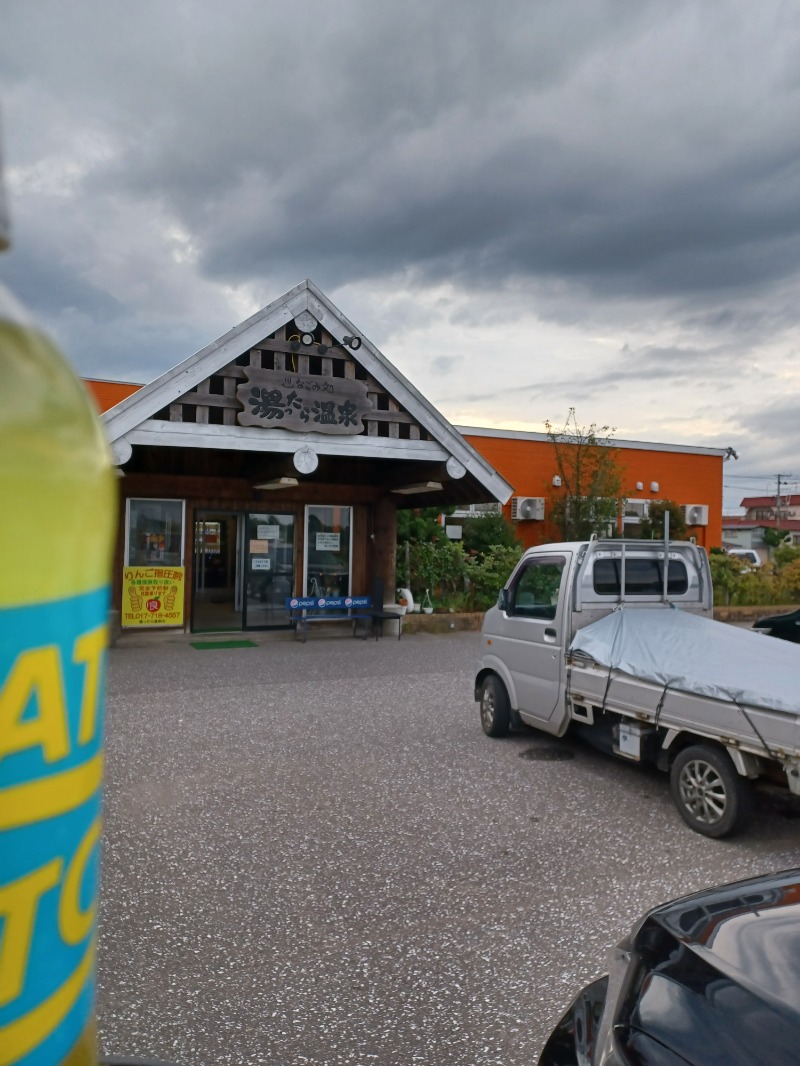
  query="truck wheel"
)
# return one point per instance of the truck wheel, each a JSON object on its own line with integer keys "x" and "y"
{"x": 495, "y": 708}
{"x": 711, "y": 797}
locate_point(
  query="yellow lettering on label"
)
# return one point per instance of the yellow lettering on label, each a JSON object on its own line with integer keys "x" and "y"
{"x": 89, "y": 650}
{"x": 47, "y": 797}
{"x": 19, "y": 1037}
{"x": 36, "y": 673}
{"x": 18, "y": 904}
{"x": 73, "y": 923}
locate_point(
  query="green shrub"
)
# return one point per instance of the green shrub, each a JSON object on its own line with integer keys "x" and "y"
{"x": 788, "y": 581}
{"x": 736, "y": 584}
{"x": 439, "y": 567}
{"x": 488, "y": 575}
{"x": 462, "y": 582}
{"x": 481, "y": 534}
{"x": 785, "y": 555}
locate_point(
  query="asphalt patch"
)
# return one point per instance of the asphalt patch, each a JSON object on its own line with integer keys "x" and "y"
{"x": 547, "y": 754}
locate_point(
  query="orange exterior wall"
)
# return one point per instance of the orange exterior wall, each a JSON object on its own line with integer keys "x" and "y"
{"x": 107, "y": 394}
{"x": 685, "y": 477}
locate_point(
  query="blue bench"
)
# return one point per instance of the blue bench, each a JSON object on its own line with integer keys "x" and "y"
{"x": 303, "y": 610}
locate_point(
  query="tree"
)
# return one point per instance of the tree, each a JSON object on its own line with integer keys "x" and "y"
{"x": 653, "y": 525}
{"x": 590, "y": 496}
{"x": 726, "y": 576}
{"x": 421, "y": 525}
{"x": 775, "y": 538}
{"x": 488, "y": 531}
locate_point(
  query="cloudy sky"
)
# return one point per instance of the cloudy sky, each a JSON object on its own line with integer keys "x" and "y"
{"x": 528, "y": 205}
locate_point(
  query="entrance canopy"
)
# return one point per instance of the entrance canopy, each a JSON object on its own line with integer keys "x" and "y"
{"x": 297, "y": 395}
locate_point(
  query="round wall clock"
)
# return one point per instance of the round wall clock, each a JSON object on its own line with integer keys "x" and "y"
{"x": 306, "y": 460}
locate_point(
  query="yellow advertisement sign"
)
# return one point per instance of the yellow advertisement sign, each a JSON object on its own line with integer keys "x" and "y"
{"x": 152, "y": 596}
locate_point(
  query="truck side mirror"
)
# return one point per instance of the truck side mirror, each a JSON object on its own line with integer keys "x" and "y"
{"x": 502, "y": 600}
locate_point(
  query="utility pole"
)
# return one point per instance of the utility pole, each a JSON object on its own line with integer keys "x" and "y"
{"x": 779, "y": 478}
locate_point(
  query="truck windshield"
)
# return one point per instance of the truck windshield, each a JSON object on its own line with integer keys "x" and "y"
{"x": 643, "y": 577}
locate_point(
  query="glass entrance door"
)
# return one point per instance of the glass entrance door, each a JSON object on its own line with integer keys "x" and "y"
{"x": 216, "y": 592}
{"x": 328, "y": 554}
{"x": 269, "y": 569}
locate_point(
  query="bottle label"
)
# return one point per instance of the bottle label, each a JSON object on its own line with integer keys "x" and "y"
{"x": 52, "y": 682}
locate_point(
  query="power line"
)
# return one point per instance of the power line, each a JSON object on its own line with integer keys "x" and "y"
{"x": 762, "y": 477}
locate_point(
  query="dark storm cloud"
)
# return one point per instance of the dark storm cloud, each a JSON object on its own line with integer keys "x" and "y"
{"x": 41, "y": 281}
{"x": 592, "y": 151}
{"x": 522, "y": 140}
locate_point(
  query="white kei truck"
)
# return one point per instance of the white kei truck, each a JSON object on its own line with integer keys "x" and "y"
{"x": 614, "y": 640}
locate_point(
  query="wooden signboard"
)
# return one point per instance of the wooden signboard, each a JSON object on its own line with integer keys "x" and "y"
{"x": 302, "y": 402}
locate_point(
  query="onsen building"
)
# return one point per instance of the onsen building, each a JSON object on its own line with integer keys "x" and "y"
{"x": 271, "y": 464}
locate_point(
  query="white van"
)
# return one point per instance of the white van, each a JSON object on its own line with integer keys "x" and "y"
{"x": 747, "y": 555}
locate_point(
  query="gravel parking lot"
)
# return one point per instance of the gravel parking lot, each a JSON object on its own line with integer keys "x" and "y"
{"x": 313, "y": 855}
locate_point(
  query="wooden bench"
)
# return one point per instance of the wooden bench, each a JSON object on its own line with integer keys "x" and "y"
{"x": 303, "y": 610}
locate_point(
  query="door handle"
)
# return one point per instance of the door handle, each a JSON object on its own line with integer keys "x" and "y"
{"x": 550, "y": 634}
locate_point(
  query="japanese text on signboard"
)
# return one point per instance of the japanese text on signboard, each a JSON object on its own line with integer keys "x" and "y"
{"x": 277, "y": 398}
{"x": 152, "y": 596}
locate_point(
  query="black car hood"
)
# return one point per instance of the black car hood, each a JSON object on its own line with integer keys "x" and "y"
{"x": 749, "y": 931}
{"x": 776, "y": 619}
{"x": 719, "y": 976}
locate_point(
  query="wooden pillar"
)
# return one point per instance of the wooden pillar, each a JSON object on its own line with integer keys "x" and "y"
{"x": 385, "y": 544}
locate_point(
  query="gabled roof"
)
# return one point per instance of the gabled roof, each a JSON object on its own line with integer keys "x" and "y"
{"x": 134, "y": 420}
{"x": 769, "y": 501}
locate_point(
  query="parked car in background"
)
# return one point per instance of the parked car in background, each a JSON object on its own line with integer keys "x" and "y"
{"x": 785, "y": 626}
{"x": 712, "y": 979}
{"x": 748, "y": 555}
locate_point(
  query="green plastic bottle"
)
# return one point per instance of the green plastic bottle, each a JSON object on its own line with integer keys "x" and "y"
{"x": 57, "y": 522}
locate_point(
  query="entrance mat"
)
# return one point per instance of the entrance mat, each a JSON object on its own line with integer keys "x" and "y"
{"x": 205, "y": 645}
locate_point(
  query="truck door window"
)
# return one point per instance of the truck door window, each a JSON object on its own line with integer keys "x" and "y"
{"x": 534, "y": 591}
{"x": 643, "y": 577}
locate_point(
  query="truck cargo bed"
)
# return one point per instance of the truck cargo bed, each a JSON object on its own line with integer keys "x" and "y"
{"x": 680, "y": 672}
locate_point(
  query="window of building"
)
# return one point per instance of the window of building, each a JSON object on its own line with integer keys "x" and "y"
{"x": 328, "y": 551}
{"x": 154, "y": 533}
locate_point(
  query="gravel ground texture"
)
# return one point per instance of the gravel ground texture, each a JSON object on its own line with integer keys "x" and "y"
{"x": 313, "y": 855}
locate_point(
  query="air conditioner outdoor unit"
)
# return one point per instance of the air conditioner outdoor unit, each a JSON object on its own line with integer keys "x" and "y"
{"x": 525, "y": 508}
{"x": 695, "y": 514}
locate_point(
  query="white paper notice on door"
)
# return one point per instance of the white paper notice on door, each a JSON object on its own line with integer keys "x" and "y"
{"x": 328, "y": 542}
{"x": 262, "y": 564}
{"x": 268, "y": 532}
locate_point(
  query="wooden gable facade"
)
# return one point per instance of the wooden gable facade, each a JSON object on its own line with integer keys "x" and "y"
{"x": 270, "y": 465}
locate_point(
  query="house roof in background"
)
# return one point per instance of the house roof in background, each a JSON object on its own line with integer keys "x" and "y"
{"x": 769, "y": 501}
{"x": 742, "y": 522}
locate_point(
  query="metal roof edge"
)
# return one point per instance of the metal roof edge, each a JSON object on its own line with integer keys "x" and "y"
{"x": 646, "y": 446}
